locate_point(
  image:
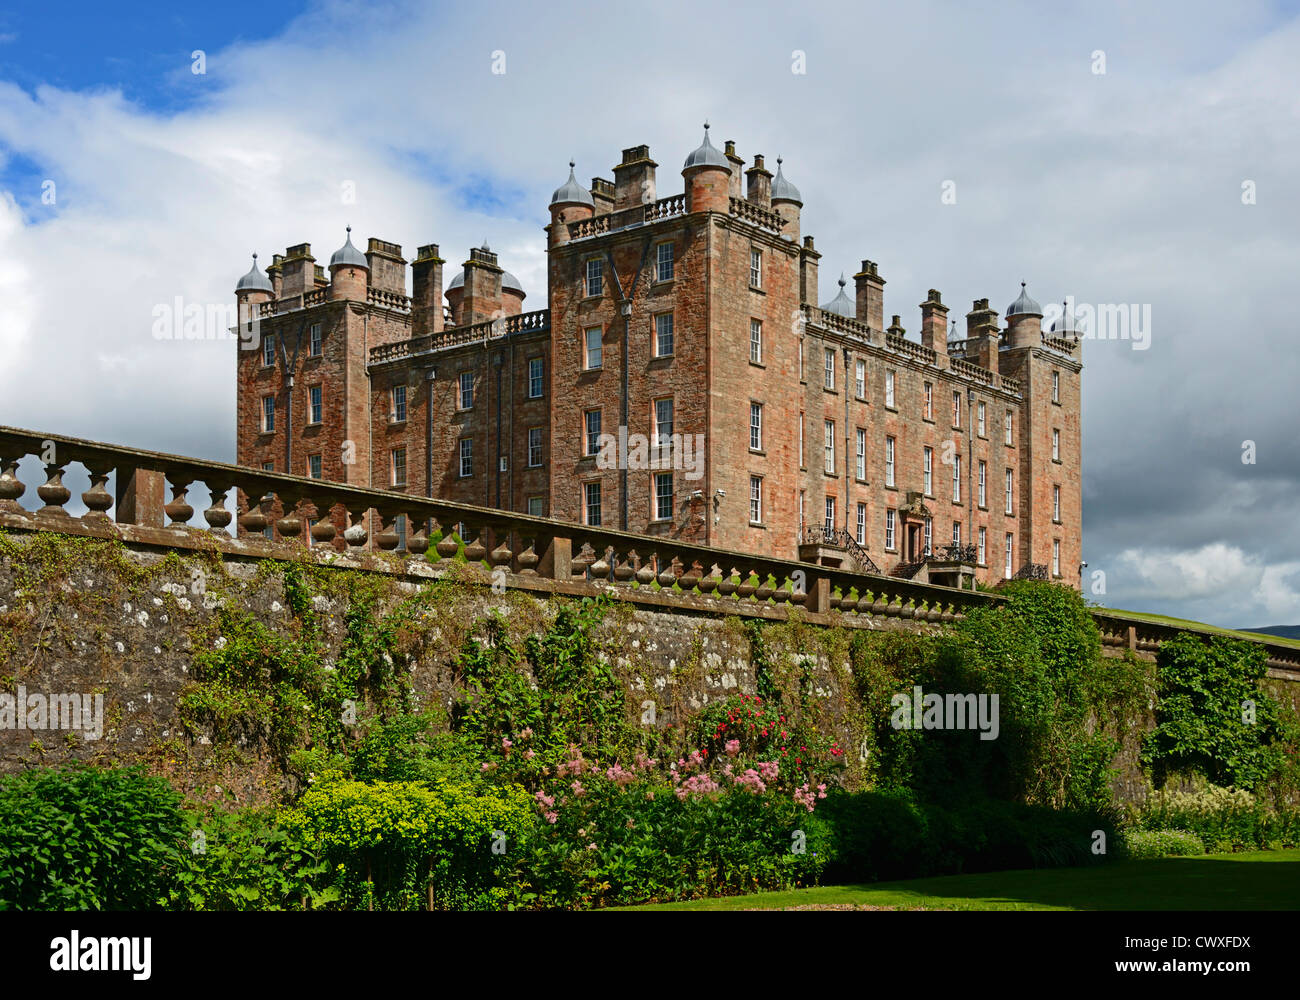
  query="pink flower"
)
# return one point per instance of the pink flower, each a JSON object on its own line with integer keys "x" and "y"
{"x": 506, "y": 744}
{"x": 529, "y": 754}
{"x": 526, "y": 732}
{"x": 732, "y": 747}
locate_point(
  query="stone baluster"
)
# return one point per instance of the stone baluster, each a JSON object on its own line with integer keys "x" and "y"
{"x": 179, "y": 510}
{"x": 417, "y": 535}
{"x": 290, "y": 524}
{"x": 625, "y": 569}
{"x": 53, "y": 492}
{"x": 668, "y": 573}
{"x": 710, "y": 581}
{"x": 255, "y": 519}
{"x": 475, "y": 547}
{"x": 386, "y": 536}
{"x": 215, "y": 513}
{"x": 585, "y": 557}
{"x": 645, "y": 570}
{"x": 528, "y": 558}
{"x": 355, "y": 534}
{"x": 11, "y": 487}
{"x": 501, "y": 553}
{"x": 728, "y": 586}
{"x": 690, "y": 580}
{"x": 745, "y": 589}
{"x": 97, "y": 499}
{"x": 448, "y": 542}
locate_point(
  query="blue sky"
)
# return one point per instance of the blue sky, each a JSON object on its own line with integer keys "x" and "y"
{"x": 1118, "y": 187}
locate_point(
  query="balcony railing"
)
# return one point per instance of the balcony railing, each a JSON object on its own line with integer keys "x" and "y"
{"x": 1032, "y": 571}
{"x": 819, "y": 534}
{"x": 127, "y": 499}
{"x": 149, "y": 503}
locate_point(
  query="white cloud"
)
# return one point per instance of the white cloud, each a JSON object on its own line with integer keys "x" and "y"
{"x": 1121, "y": 188}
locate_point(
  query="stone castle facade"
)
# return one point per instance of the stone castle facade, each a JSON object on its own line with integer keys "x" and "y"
{"x": 681, "y": 381}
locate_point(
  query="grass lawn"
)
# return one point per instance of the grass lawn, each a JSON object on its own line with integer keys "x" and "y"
{"x": 1258, "y": 880}
{"x": 1187, "y": 623}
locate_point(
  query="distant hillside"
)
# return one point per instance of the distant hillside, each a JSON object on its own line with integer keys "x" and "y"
{"x": 1285, "y": 631}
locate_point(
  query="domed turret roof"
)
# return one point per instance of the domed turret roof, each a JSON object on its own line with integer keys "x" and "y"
{"x": 254, "y": 280}
{"x": 571, "y": 192}
{"x": 1024, "y": 305}
{"x": 782, "y": 189}
{"x": 841, "y": 305}
{"x": 509, "y": 283}
{"x": 349, "y": 256}
{"x": 1067, "y": 322}
{"x": 707, "y": 155}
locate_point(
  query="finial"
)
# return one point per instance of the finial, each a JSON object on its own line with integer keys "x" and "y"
{"x": 1022, "y": 284}
{"x": 572, "y": 164}
{"x": 255, "y": 260}
{"x": 842, "y": 281}
{"x": 779, "y": 161}
{"x": 349, "y": 231}
{"x": 706, "y": 128}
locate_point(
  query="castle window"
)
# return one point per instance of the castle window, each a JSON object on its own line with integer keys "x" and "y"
{"x": 466, "y": 457}
{"x": 756, "y": 268}
{"x": 1007, "y": 427}
{"x": 268, "y": 414}
{"x": 1010, "y": 483}
{"x": 756, "y": 341}
{"x": 828, "y": 377}
{"x": 535, "y": 507}
{"x": 801, "y": 374}
{"x": 663, "y": 335}
{"x": 979, "y": 410}
{"x": 861, "y": 456}
{"x": 1056, "y": 504}
{"x": 663, "y": 423}
{"x": 983, "y": 545}
{"x": 399, "y": 466}
{"x": 1006, "y": 569}
{"x": 755, "y": 499}
{"x": 535, "y": 369}
{"x": 316, "y": 403}
{"x": 465, "y": 385}
{"x": 592, "y": 424}
{"x": 956, "y": 479}
{"x": 1056, "y": 557}
{"x": 313, "y": 466}
{"x": 956, "y": 409}
{"x": 889, "y": 530}
{"x": 889, "y": 389}
{"x": 929, "y": 401}
{"x": 927, "y": 464}
{"x": 268, "y": 466}
{"x": 398, "y": 414}
{"x": 801, "y": 423}
{"x": 591, "y": 503}
{"x": 860, "y": 525}
{"x": 534, "y": 447}
{"x": 889, "y": 461}
{"x": 983, "y": 483}
{"x": 595, "y": 277}
{"x": 929, "y": 536}
{"x": 830, "y": 515}
{"x": 860, "y": 379}
{"x": 268, "y": 350}
{"x": 663, "y": 496}
{"x": 755, "y": 426}
{"x": 829, "y": 447}
{"x": 595, "y": 354}
{"x": 956, "y": 533}
{"x": 802, "y": 499}
{"x": 664, "y": 262}
{"x": 1056, "y": 445}
{"x": 1056, "y": 387}
{"x": 314, "y": 342}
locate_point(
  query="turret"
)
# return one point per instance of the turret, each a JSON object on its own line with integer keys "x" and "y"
{"x": 349, "y": 272}
{"x": 787, "y": 203}
{"x": 1024, "y": 321}
{"x": 252, "y": 290}
{"x": 571, "y": 202}
{"x": 708, "y": 178}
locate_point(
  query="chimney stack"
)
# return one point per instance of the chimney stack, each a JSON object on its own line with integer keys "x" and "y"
{"x": 870, "y": 295}
{"x": 426, "y": 291}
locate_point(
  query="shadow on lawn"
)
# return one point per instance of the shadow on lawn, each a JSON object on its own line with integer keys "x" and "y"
{"x": 1256, "y": 881}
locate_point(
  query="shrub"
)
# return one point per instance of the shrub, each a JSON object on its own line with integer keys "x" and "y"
{"x": 87, "y": 838}
{"x": 389, "y": 842}
{"x": 1145, "y": 844}
{"x": 1225, "y": 819}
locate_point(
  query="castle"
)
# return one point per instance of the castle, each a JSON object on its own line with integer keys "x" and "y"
{"x": 682, "y": 380}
